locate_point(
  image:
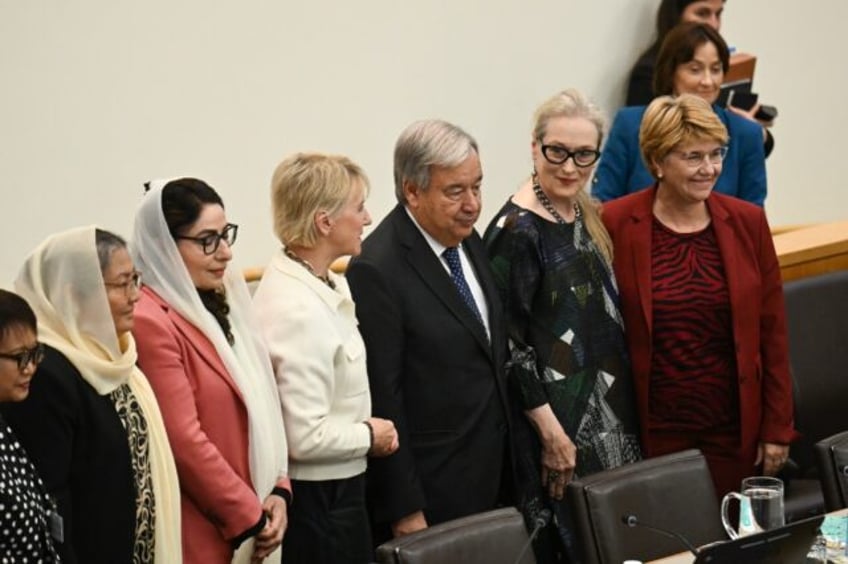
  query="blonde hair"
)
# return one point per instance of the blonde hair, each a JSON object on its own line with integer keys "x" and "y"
{"x": 669, "y": 122}
{"x": 304, "y": 184}
{"x": 572, "y": 103}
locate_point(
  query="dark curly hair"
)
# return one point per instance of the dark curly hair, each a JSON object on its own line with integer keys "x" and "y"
{"x": 182, "y": 201}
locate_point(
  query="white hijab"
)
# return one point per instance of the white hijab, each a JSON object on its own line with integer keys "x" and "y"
{"x": 63, "y": 283}
{"x": 248, "y": 362}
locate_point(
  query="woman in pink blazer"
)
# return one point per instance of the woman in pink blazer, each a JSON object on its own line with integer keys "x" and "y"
{"x": 702, "y": 302}
{"x": 212, "y": 377}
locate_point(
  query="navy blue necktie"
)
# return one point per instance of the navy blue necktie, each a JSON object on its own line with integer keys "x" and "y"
{"x": 451, "y": 255}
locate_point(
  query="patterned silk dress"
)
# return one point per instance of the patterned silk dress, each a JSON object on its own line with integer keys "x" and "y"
{"x": 567, "y": 349}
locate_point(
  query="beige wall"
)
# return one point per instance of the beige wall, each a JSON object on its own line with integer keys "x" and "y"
{"x": 99, "y": 96}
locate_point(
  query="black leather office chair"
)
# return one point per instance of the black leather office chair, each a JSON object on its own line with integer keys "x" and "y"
{"x": 493, "y": 537}
{"x": 832, "y": 458}
{"x": 673, "y": 492}
{"x": 817, "y": 321}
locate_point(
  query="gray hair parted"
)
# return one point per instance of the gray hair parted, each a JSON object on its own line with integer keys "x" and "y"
{"x": 107, "y": 243}
{"x": 428, "y": 143}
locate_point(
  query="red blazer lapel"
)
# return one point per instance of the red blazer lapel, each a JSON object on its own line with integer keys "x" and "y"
{"x": 640, "y": 244}
{"x": 729, "y": 242}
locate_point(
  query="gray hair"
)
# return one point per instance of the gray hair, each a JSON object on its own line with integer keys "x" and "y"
{"x": 429, "y": 143}
{"x": 568, "y": 103}
{"x": 107, "y": 242}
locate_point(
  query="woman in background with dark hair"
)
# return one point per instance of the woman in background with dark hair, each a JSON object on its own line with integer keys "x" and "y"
{"x": 640, "y": 87}
{"x": 199, "y": 346}
{"x": 91, "y": 423}
{"x": 27, "y": 505}
{"x": 693, "y": 60}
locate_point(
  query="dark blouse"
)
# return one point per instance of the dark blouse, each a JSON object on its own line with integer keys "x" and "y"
{"x": 693, "y": 362}
{"x": 566, "y": 333}
{"x": 25, "y": 506}
{"x": 79, "y": 446}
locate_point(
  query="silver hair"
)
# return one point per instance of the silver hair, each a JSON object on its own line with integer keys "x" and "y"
{"x": 107, "y": 242}
{"x": 429, "y": 143}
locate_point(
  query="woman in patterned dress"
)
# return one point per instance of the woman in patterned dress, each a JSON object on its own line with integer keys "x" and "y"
{"x": 26, "y": 505}
{"x": 569, "y": 368}
{"x": 702, "y": 302}
{"x": 91, "y": 423}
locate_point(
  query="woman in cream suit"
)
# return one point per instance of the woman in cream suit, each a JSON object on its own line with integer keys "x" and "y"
{"x": 308, "y": 318}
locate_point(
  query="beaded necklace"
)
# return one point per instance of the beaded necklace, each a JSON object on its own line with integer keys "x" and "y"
{"x": 305, "y": 264}
{"x": 549, "y": 206}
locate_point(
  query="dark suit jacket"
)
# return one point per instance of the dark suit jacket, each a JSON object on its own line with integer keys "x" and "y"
{"x": 434, "y": 373}
{"x": 756, "y": 302}
{"x": 79, "y": 447}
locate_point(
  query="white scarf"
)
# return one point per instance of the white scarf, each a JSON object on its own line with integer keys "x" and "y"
{"x": 63, "y": 283}
{"x": 248, "y": 362}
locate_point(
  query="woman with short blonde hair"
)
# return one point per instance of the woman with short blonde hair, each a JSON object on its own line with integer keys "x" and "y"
{"x": 307, "y": 183}
{"x": 307, "y": 317}
{"x": 702, "y": 302}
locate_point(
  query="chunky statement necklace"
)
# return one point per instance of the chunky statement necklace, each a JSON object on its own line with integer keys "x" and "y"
{"x": 305, "y": 264}
{"x": 549, "y": 206}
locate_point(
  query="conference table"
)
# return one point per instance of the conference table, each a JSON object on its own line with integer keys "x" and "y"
{"x": 688, "y": 557}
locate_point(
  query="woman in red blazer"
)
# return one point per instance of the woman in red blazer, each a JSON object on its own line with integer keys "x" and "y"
{"x": 702, "y": 301}
{"x": 198, "y": 344}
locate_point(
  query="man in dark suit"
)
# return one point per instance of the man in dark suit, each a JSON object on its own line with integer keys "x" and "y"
{"x": 435, "y": 339}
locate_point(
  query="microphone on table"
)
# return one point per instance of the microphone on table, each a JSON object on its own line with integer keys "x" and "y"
{"x": 542, "y": 519}
{"x": 631, "y": 520}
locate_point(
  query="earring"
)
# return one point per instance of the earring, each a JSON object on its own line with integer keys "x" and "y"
{"x": 534, "y": 177}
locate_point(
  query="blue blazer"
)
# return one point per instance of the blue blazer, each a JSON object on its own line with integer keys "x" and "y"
{"x": 622, "y": 171}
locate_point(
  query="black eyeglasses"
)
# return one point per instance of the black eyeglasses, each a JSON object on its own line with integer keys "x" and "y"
{"x": 34, "y": 355}
{"x": 210, "y": 243}
{"x": 133, "y": 283}
{"x": 557, "y": 155}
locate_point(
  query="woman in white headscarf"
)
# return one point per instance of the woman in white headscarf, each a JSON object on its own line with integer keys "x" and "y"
{"x": 91, "y": 423}
{"x": 199, "y": 346}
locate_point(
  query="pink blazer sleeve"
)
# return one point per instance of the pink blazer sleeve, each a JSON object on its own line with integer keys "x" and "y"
{"x": 206, "y": 476}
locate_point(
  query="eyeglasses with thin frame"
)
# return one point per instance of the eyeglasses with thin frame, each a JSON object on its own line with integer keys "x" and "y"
{"x": 582, "y": 158}
{"x": 210, "y": 243}
{"x": 132, "y": 284}
{"x": 34, "y": 355}
{"x": 696, "y": 158}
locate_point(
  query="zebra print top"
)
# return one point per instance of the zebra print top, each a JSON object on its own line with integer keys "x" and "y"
{"x": 693, "y": 365}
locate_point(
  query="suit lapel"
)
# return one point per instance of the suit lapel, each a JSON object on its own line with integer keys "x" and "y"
{"x": 429, "y": 268}
{"x": 640, "y": 244}
{"x": 728, "y": 245}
